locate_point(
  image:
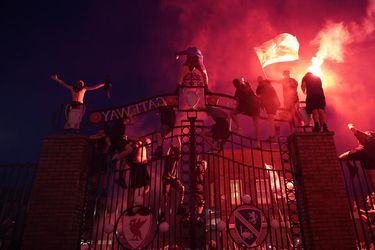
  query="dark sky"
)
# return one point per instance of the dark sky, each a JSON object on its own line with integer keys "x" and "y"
{"x": 134, "y": 42}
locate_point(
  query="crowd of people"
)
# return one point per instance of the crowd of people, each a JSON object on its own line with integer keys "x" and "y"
{"x": 112, "y": 143}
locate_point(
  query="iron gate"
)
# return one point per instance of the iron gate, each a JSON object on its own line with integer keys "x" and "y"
{"x": 359, "y": 183}
{"x": 242, "y": 173}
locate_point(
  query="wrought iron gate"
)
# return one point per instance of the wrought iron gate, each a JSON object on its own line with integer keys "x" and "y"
{"x": 361, "y": 201}
{"x": 243, "y": 175}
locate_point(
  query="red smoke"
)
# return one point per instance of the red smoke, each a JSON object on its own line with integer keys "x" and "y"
{"x": 339, "y": 32}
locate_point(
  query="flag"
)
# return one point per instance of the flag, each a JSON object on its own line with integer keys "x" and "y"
{"x": 283, "y": 48}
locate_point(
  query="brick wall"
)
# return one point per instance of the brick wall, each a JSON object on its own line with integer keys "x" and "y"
{"x": 55, "y": 210}
{"x": 323, "y": 203}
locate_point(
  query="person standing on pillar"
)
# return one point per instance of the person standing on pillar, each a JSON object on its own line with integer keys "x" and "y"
{"x": 194, "y": 60}
{"x": 76, "y": 109}
{"x": 247, "y": 104}
{"x": 315, "y": 100}
{"x": 270, "y": 102}
{"x": 291, "y": 101}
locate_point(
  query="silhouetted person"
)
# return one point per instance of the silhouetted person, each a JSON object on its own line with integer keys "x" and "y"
{"x": 101, "y": 144}
{"x": 365, "y": 151}
{"x": 167, "y": 123}
{"x": 194, "y": 60}
{"x": 170, "y": 178}
{"x": 315, "y": 100}
{"x": 247, "y": 104}
{"x": 76, "y": 110}
{"x": 219, "y": 131}
{"x": 291, "y": 101}
{"x": 118, "y": 135}
{"x": 268, "y": 101}
{"x": 199, "y": 201}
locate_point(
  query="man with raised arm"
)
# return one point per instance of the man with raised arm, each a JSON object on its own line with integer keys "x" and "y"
{"x": 365, "y": 151}
{"x": 76, "y": 108}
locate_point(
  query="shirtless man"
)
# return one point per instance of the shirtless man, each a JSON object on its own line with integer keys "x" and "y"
{"x": 76, "y": 108}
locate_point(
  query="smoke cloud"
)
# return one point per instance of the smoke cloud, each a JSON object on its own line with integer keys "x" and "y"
{"x": 339, "y": 32}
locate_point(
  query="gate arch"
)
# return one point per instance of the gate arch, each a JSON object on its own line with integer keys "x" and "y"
{"x": 241, "y": 173}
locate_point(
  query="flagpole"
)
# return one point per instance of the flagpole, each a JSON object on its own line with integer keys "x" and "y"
{"x": 264, "y": 72}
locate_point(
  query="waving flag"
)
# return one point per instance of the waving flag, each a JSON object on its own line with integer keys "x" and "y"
{"x": 283, "y": 48}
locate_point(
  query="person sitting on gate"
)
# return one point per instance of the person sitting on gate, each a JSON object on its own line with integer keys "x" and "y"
{"x": 137, "y": 160}
{"x": 315, "y": 100}
{"x": 170, "y": 178}
{"x": 247, "y": 104}
{"x": 78, "y": 91}
{"x": 194, "y": 60}
{"x": 167, "y": 123}
{"x": 364, "y": 152}
{"x": 291, "y": 100}
{"x": 219, "y": 131}
{"x": 270, "y": 102}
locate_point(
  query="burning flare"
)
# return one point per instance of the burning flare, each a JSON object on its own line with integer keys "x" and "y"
{"x": 316, "y": 62}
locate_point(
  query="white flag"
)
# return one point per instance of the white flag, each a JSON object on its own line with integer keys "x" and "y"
{"x": 283, "y": 48}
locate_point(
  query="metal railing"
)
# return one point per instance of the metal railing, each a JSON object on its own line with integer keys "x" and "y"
{"x": 359, "y": 183}
{"x": 242, "y": 173}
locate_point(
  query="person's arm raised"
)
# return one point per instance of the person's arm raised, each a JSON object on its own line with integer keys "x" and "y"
{"x": 97, "y": 86}
{"x": 61, "y": 82}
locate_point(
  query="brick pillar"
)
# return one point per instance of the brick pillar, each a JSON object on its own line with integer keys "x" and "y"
{"x": 55, "y": 211}
{"x": 323, "y": 203}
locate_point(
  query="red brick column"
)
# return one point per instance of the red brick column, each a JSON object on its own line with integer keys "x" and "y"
{"x": 323, "y": 203}
{"x": 55, "y": 211}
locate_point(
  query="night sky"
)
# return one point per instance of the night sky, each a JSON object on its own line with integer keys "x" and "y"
{"x": 134, "y": 42}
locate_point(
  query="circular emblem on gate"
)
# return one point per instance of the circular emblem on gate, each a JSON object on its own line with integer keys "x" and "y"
{"x": 248, "y": 226}
{"x": 136, "y": 227}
